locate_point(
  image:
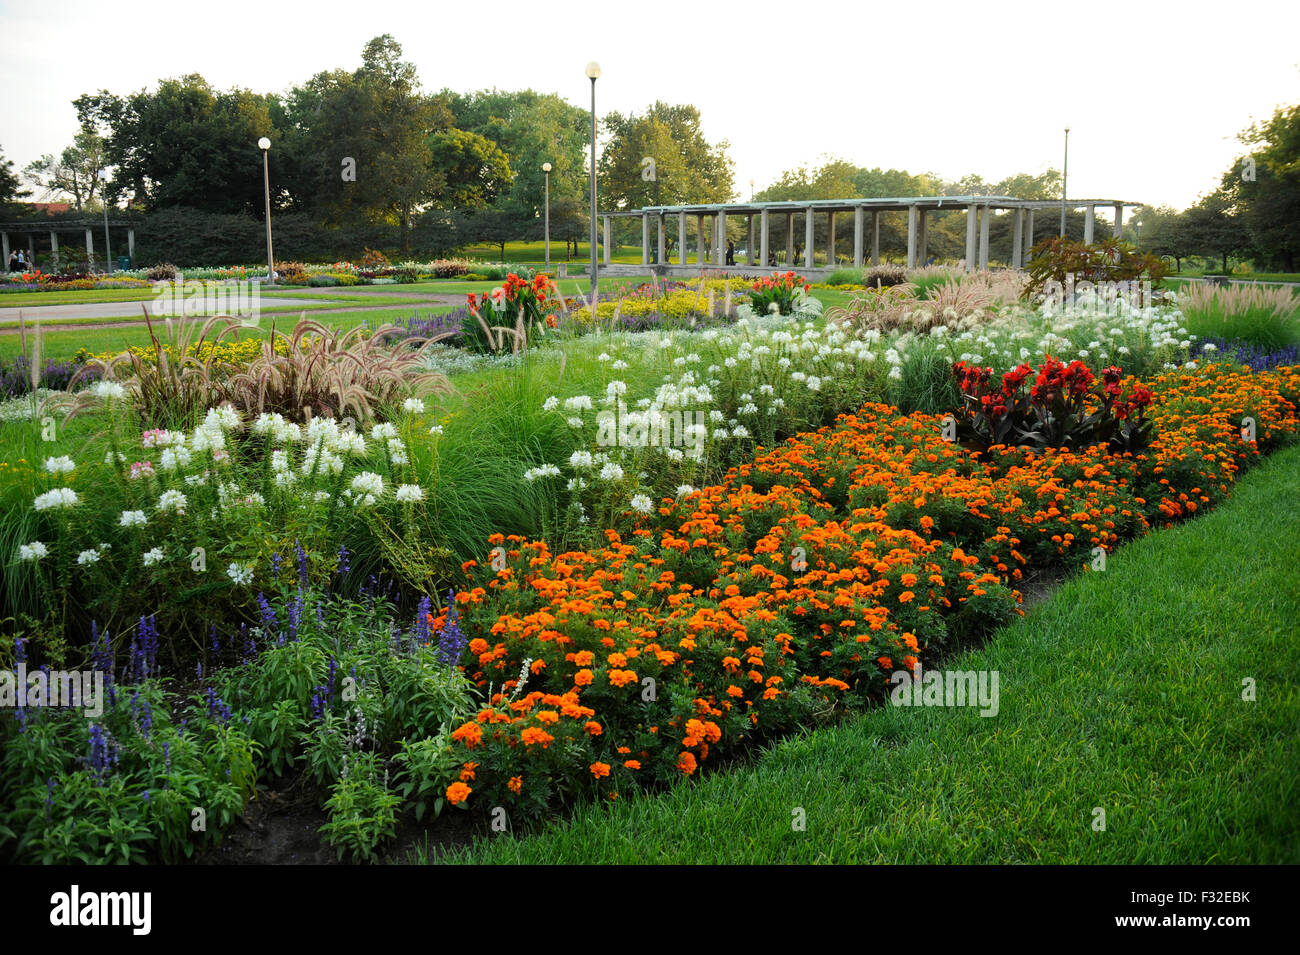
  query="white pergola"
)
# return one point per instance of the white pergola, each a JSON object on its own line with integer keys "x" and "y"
{"x": 53, "y": 227}
{"x": 713, "y": 216}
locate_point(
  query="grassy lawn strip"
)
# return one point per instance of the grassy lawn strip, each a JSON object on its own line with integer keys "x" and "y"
{"x": 63, "y": 344}
{"x": 1123, "y": 690}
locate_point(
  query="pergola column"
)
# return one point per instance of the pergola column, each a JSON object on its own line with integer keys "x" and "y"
{"x": 911, "y": 237}
{"x": 764, "y": 225}
{"x": 54, "y": 247}
{"x": 4, "y": 239}
{"x": 1089, "y": 220}
{"x": 875, "y": 237}
{"x": 662, "y": 257}
{"x": 607, "y": 238}
{"x": 90, "y": 244}
{"x": 789, "y": 240}
{"x": 859, "y": 214}
{"x": 699, "y": 258}
{"x": 1119, "y": 218}
{"x": 645, "y": 238}
{"x": 920, "y": 238}
{"x": 830, "y": 239}
{"x": 808, "y": 238}
{"x": 985, "y": 218}
{"x": 1017, "y": 237}
{"x": 681, "y": 238}
{"x": 972, "y": 215}
{"x": 749, "y": 244}
{"x": 1029, "y": 232}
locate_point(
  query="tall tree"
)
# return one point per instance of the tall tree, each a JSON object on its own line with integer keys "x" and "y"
{"x": 74, "y": 173}
{"x": 184, "y": 144}
{"x": 684, "y": 167}
{"x": 1264, "y": 186}
{"x": 10, "y": 187}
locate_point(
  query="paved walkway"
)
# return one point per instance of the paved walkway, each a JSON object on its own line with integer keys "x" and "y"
{"x": 124, "y": 312}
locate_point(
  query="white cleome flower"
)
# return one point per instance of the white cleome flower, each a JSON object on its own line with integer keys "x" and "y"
{"x": 611, "y": 472}
{"x": 33, "y": 551}
{"x": 381, "y": 432}
{"x": 436, "y": 429}
{"x": 413, "y": 405}
{"x": 368, "y": 482}
{"x": 154, "y": 556}
{"x": 241, "y": 574}
{"x": 107, "y": 389}
{"x": 642, "y": 504}
{"x": 59, "y": 497}
{"x": 684, "y": 489}
{"x": 172, "y": 501}
{"x": 132, "y": 519}
{"x": 59, "y": 465}
{"x": 409, "y": 493}
{"x": 88, "y": 557}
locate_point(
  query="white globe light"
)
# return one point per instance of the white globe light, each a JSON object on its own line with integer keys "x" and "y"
{"x": 546, "y": 167}
{"x": 263, "y": 143}
{"x": 593, "y": 70}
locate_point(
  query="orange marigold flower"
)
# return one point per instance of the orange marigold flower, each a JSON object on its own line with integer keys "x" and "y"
{"x": 583, "y": 678}
{"x": 533, "y": 736}
{"x": 594, "y": 728}
{"x": 515, "y": 785}
{"x": 599, "y": 769}
{"x": 734, "y": 690}
{"x": 471, "y": 734}
{"x": 457, "y": 793}
{"x": 632, "y": 763}
{"x": 906, "y": 597}
{"x": 550, "y": 717}
{"x": 686, "y": 764}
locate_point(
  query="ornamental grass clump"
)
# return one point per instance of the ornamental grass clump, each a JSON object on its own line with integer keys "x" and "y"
{"x": 323, "y": 372}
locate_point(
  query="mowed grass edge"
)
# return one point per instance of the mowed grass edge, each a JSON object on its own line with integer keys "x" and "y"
{"x": 1121, "y": 692}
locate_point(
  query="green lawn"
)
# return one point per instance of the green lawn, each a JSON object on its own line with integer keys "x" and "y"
{"x": 1122, "y": 691}
{"x": 63, "y": 344}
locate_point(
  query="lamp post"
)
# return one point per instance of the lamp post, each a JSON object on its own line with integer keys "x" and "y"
{"x": 1065, "y": 178}
{"x": 264, "y": 144}
{"x": 103, "y": 196}
{"x": 593, "y": 73}
{"x": 546, "y": 168}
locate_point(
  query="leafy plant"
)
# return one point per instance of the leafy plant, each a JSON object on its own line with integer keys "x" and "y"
{"x": 363, "y": 812}
{"x": 777, "y": 293}
{"x": 1061, "y": 409}
{"x": 1057, "y": 261}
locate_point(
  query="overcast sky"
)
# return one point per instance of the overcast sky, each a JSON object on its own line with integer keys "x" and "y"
{"x": 1154, "y": 93}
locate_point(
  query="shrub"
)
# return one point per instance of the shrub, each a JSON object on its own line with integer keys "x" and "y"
{"x": 1057, "y": 261}
{"x": 884, "y": 276}
{"x": 162, "y": 272}
{"x": 373, "y": 259}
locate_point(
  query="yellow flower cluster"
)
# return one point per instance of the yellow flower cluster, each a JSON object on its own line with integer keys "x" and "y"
{"x": 232, "y": 352}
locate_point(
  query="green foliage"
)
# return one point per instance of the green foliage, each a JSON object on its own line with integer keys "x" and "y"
{"x": 1056, "y": 262}
{"x": 362, "y": 810}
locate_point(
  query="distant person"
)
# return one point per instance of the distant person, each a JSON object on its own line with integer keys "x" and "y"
{"x": 731, "y": 252}
{"x": 13, "y": 262}
{"x": 22, "y": 263}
